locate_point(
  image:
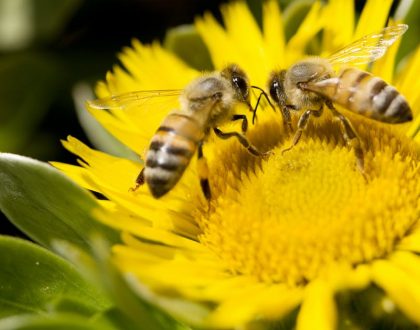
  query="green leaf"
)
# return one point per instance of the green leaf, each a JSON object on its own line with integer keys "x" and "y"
{"x": 51, "y": 16}
{"x": 184, "y": 40}
{"x": 29, "y": 85}
{"x": 46, "y": 205}
{"x": 116, "y": 318}
{"x": 70, "y": 305}
{"x": 370, "y": 308}
{"x": 131, "y": 312}
{"x": 53, "y": 322}
{"x": 24, "y": 22}
{"x": 140, "y": 309}
{"x": 409, "y": 12}
{"x": 33, "y": 280}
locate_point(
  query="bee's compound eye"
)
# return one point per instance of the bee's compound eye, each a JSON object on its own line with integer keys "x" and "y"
{"x": 274, "y": 90}
{"x": 241, "y": 84}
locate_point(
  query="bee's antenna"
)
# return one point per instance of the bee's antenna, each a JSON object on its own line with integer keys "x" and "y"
{"x": 263, "y": 93}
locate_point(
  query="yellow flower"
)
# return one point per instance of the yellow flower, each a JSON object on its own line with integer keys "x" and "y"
{"x": 292, "y": 230}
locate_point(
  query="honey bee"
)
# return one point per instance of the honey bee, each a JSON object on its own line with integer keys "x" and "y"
{"x": 206, "y": 103}
{"x": 311, "y": 83}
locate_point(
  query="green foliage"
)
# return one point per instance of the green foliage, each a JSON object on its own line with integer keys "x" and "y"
{"x": 133, "y": 302}
{"x": 26, "y": 22}
{"x": 46, "y": 205}
{"x": 54, "y": 322}
{"x": 135, "y": 309}
{"x": 51, "y": 16}
{"x": 184, "y": 40}
{"x": 21, "y": 113}
{"x": 411, "y": 17}
{"x": 365, "y": 309}
{"x": 56, "y": 212}
{"x": 34, "y": 280}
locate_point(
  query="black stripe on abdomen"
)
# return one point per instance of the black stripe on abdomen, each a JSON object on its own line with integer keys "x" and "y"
{"x": 157, "y": 145}
{"x": 166, "y": 160}
{"x": 388, "y": 104}
{"x": 382, "y": 100}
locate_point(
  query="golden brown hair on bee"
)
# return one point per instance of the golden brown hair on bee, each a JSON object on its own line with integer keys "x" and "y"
{"x": 311, "y": 83}
{"x": 206, "y": 103}
{"x": 170, "y": 152}
{"x": 363, "y": 93}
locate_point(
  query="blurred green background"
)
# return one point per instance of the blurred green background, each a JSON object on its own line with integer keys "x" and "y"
{"x": 49, "y": 47}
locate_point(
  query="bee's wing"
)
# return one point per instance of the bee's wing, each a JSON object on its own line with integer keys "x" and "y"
{"x": 136, "y": 98}
{"x": 368, "y": 48}
{"x": 134, "y": 117}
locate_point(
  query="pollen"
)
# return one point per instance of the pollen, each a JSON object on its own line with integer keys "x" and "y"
{"x": 287, "y": 218}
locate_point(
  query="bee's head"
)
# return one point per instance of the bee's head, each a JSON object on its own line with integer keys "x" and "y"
{"x": 239, "y": 82}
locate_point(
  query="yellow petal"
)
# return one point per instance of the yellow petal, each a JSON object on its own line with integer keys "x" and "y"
{"x": 158, "y": 250}
{"x": 258, "y": 301}
{"x": 408, "y": 262}
{"x": 103, "y": 166}
{"x": 134, "y": 138}
{"x": 409, "y": 84}
{"x": 77, "y": 173}
{"x": 373, "y": 17}
{"x": 318, "y": 310}
{"x": 217, "y": 42}
{"x": 233, "y": 45}
{"x": 137, "y": 227}
{"x": 385, "y": 66}
{"x": 343, "y": 276}
{"x": 339, "y": 27}
{"x": 152, "y": 67}
{"x": 274, "y": 38}
{"x": 410, "y": 242}
{"x": 176, "y": 274}
{"x": 250, "y": 45}
{"x": 221, "y": 290}
{"x": 311, "y": 25}
{"x": 401, "y": 286}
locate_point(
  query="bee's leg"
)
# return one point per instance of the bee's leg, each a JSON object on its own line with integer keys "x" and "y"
{"x": 350, "y": 136}
{"x": 139, "y": 181}
{"x": 244, "y": 122}
{"x": 287, "y": 119}
{"x": 242, "y": 140}
{"x": 203, "y": 172}
{"x": 302, "y": 124}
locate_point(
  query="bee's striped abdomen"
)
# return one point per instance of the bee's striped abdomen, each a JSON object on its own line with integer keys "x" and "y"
{"x": 370, "y": 96}
{"x": 170, "y": 152}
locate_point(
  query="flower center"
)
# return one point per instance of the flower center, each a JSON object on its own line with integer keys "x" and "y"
{"x": 286, "y": 218}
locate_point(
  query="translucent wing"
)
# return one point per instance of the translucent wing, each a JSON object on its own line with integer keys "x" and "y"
{"x": 136, "y": 98}
{"x": 134, "y": 117}
{"x": 368, "y": 48}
